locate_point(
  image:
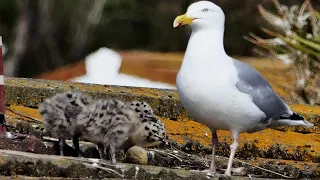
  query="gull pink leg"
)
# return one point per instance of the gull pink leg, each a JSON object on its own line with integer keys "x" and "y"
{"x": 233, "y": 148}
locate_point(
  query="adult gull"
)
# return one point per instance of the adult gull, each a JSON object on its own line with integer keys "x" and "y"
{"x": 221, "y": 92}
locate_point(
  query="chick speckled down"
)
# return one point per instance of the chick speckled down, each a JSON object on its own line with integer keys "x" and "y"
{"x": 111, "y": 124}
{"x": 60, "y": 114}
{"x": 152, "y": 130}
{"x": 61, "y": 111}
{"x": 108, "y": 123}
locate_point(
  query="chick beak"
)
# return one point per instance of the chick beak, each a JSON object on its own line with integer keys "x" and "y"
{"x": 165, "y": 140}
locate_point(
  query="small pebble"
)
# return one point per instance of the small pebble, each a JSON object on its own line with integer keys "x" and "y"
{"x": 137, "y": 155}
{"x": 95, "y": 164}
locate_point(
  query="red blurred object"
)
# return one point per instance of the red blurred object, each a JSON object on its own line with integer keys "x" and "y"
{"x": 31, "y": 144}
{"x": 3, "y": 128}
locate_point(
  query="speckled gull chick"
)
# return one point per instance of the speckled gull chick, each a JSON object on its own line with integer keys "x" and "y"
{"x": 221, "y": 92}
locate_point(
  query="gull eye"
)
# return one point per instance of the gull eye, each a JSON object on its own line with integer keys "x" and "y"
{"x": 205, "y": 10}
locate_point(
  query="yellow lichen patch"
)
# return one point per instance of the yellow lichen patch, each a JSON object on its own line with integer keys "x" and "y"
{"x": 25, "y": 113}
{"x": 185, "y": 129}
{"x": 300, "y": 166}
{"x": 182, "y": 131}
{"x": 305, "y": 109}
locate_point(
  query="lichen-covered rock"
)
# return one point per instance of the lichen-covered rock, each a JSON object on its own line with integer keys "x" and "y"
{"x": 36, "y": 165}
{"x": 293, "y": 151}
{"x": 27, "y": 143}
{"x": 137, "y": 155}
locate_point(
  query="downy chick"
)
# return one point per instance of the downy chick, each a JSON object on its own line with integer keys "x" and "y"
{"x": 107, "y": 123}
{"x": 152, "y": 130}
{"x": 149, "y": 131}
{"x": 60, "y": 113}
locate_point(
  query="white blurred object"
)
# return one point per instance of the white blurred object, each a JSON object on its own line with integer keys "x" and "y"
{"x": 4, "y": 47}
{"x": 10, "y": 135}
{"x": 103, "y": 66}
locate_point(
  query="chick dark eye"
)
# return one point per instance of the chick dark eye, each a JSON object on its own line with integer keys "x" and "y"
{"x": 205, "y": 10}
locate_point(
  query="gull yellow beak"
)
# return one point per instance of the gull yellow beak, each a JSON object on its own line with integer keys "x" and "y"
{"x": 182, "y": 20}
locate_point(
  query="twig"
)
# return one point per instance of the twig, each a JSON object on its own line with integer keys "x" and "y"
{"x": 162, "y": 152}
{"x": 103, "y": 168}
{"x": 284, "y": 176}
{"x": 189, "y": 166}
{"x": 23, "y": 115}
{"x": 206, "y": 160}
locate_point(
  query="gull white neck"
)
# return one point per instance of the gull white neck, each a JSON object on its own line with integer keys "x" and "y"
{"x": 205, "y": 46}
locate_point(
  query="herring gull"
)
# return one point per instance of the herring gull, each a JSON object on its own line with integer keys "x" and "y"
{"x": 221, "y": 92}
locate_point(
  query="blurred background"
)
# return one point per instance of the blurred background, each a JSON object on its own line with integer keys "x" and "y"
{"x": 133, "y": 43}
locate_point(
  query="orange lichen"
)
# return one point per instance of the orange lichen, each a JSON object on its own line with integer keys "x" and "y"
{"x": 182, "y": 130}
{"x": 24, "y": 113}
{"x": 305, "y": 109}
{"x": 185, "y": 129}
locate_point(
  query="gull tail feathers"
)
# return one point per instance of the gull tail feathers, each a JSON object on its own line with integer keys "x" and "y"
{"x": 293, "y": 119}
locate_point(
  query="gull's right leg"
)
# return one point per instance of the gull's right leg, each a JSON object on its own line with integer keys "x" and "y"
{"x": 213, "y": 166}
{"x": 233, "y": 148}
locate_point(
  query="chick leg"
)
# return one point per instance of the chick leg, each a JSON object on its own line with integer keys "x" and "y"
{"x": 112, "y": 152}
{"x": 101, "y": 151}
{"x": 61, "y": 145}
{"x": 75, "y": 142}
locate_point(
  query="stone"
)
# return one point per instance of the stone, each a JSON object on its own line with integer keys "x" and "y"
{"x": 26, "y": 143}
{"x": 137, "y": 155}
{"x": 38, "y": 165}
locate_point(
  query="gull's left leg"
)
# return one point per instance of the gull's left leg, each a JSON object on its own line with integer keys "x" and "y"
{"x": 233, "y": 148}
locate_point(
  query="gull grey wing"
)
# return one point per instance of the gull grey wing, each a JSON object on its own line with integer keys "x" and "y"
{"x": 251, "y": 82}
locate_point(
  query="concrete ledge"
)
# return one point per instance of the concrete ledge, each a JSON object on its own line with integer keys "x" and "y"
{"x": 296, "y": 144}
{"x": 35, "y": 165}
{"x": 30, "y": 92}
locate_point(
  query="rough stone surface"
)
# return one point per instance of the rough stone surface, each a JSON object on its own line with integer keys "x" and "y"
{"x": 291, "y": 151}
{"x": 27, "y": 144}
{"x": 35, "y": 165}
{"x": 30, "y": 92}
{"x": 137, "y": 155}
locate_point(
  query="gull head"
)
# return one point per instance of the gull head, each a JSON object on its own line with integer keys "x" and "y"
{"x": 202, "y": 14}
